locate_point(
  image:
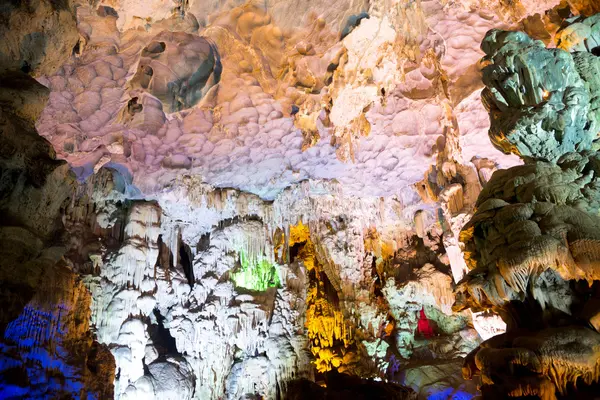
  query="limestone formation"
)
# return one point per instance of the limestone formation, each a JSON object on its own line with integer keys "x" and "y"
{"x": 548, "y": 93}
{"x": 340, "y": 386}
{"x": 178, "y": 69}
{"x": 37, "y": 36}
{"x": 46, "y": 346}
{"x": 238, "y": 291}
{"x": 531, "y": 245}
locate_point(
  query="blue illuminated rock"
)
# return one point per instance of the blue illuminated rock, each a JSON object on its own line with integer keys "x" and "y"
{"x": 542, "y": 102}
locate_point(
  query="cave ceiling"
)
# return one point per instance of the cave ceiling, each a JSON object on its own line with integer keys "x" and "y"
{"x": 258, "y": 96}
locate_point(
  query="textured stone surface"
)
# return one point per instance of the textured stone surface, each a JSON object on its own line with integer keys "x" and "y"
{"x": 532, "y": 244}
{"x": 34, "y": 187}
{"x": 530, "y": 219}
{"x": 552, "y": 359}
{"x": 242, "y": 133}
{"x": 582, "y": 34}
{"x": 50, "y": 346}
{"x": 339, "y": 386}
{"x": 47, "y": 349}
{"x": 178, "y": 69}
{"x": 438, "y": 380}
{"x": 180, "y": 279}
{"x": 543, "y": 91}
{"x": 38, "y": 36}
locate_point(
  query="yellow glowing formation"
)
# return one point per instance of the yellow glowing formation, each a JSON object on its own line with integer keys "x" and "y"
{"x": 329, "y": 334}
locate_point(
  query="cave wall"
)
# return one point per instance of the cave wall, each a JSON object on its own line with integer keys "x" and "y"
{"x": 47, "y": 348}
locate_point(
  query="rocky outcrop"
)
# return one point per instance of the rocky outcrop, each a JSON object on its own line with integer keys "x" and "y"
{"x": 340, "y": 386}
{"x": 549, "y": 94}
{"x": 531, "y": 246}
{"x": 177, "y": 83}
{"x": 293, "y": 100}
{"x": 39, "y": 36}
{"x": 49, "y": 349}
{"x": 46, "y": 346}
{"x": 34, "y": 188}
{"x": 232, "y": 307}
{"x": 437, "y": 379}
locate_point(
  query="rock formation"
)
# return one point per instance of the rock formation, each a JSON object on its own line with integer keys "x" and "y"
{"x": 46, "y": 347}
{"x": 531, "y": 244}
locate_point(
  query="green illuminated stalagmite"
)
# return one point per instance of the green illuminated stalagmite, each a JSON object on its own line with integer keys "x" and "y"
{"x": 256, "y": 274}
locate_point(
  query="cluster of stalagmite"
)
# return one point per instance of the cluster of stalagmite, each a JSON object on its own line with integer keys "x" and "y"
{"x": 533, "y": 245}
{"x": 244, "y": 305}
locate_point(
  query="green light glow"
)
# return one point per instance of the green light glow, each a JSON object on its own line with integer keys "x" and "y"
{"x": 258, "y": 275}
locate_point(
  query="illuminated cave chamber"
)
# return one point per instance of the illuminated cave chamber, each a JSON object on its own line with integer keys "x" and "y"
{"x": 271, "y": 200}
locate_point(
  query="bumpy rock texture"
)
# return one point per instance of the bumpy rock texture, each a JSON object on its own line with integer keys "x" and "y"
{"x": 38, "y": 36}
{"x": 532, "y": 244}
{"x": 260, "y": 198}
{"x": 246, "y": 300}
{"x": 259, "y": 97}
{"x": 549, "y": 94}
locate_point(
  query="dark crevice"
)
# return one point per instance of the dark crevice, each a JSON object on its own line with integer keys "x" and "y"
{"x": 77, "y": 48}
{"x": 413, "y": 255}
{"x": 185, "y": 259}
{"x": 133, "y": 107}
{"x": 148, "y": 70}
{"x": 164, "y": 343}
{"x": 203, "y": 243}
{"x": 352, "y": 22}
{"x": 106, "y": 11}
{"x": 295, "y": 249}
{"x": 154, "y": 48}
{"x": 165, "y": 257}
{"x": 224, "y": 223}
{"x": 26, "y": 68}
{"x": 329, "y": 291}
{"x": 252, "y": 217}
{"x": 378, "y": 284}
